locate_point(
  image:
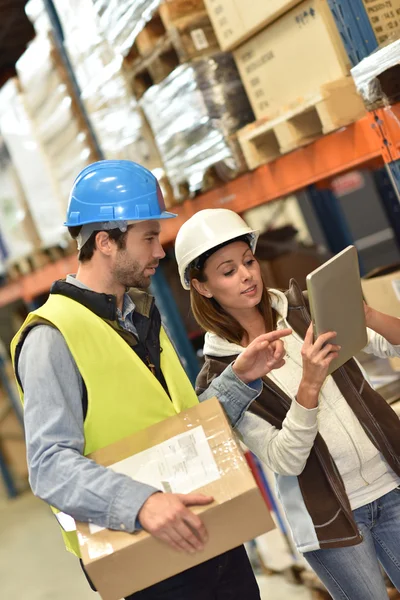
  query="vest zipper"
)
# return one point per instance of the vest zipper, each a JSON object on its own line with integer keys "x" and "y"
{"x": 150, "y": 365}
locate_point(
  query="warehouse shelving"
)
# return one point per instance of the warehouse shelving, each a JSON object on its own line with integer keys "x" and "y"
{"x": 372, "y": 141}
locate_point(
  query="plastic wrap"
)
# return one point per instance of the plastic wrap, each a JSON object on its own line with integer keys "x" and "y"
{"x": 193, "y": 113}
{"x": 122, "y": 20}
{"x": 39, "y": 17}
{"x": 114, "y": 114}
{"x": 55, "y": 115}
{"x": 34, "y": 171}
{"x": 376, "y": 77}
{"x": 16, "y": 231}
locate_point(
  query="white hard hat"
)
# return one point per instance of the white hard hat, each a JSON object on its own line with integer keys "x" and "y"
{"x": 208, "y": 229}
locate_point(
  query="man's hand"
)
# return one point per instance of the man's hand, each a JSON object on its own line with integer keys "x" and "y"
{"x": 263, "y": 355}
{"x": 168, "y": 518}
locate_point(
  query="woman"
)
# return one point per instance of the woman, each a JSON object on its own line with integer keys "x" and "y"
{"x": 333, "y": 442}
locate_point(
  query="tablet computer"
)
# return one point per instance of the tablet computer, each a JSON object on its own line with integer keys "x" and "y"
{"x": 336, "y": 304}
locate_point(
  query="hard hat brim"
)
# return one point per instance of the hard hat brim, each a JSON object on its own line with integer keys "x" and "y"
{"x": 164, "y": 215}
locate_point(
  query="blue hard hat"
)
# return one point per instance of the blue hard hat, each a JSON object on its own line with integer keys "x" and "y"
{"x": 115, "y": 190}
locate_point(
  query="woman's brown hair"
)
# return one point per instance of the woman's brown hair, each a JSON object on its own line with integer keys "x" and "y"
{"x": 213, "y": 318}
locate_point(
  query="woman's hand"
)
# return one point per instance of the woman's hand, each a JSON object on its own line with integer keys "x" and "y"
{"x": 263, "y": 355}
{"x": 317, "y": 357}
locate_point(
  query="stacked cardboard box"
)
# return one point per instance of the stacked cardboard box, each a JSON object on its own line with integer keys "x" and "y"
{"x": 235, "y": 21}
{"x": 287, "y": 63}
{"x": 288, "y": 51}
{"x": 295, "y": 70}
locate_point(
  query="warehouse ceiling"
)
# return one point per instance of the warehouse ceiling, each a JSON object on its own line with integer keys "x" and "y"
{"x": 15, "y": 32}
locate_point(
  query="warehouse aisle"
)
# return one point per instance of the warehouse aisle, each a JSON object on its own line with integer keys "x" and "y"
{"x": 35, "y": 566}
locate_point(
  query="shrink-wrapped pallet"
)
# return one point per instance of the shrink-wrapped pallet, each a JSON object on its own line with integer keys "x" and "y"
{"x": 194, "y": 114}
{"x": 17, "y": 232}
{"x": 116, "y": 118}
{"x": 122, "y": 20}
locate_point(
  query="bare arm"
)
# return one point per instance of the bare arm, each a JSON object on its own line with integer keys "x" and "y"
{"x": 387, "y": 326}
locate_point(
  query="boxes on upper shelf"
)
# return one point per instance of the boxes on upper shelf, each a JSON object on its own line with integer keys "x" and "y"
{"x": 235, "y": 21}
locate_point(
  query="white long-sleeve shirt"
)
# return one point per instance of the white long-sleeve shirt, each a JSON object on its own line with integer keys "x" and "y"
{"x": 365, "y": 473}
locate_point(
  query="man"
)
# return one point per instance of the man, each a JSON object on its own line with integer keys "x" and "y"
{"x": 95, "y": 365}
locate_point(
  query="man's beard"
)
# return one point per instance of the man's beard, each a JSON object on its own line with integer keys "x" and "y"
{"x": 132, "y": 275}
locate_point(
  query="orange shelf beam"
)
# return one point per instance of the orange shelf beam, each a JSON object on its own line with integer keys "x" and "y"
{"x": 375, "y": 138}
{"x": 39, "y": 282}
{"x": 358, "y": 144}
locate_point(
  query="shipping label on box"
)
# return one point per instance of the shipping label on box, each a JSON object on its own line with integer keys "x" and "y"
{"x": 384, "y": 16}
{"x": 235, "y": 21}
{"x": 194, "y": 450}
{"x": 286, "y": 65}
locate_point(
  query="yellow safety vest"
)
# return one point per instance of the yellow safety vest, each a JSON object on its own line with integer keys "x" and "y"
{"x": 123, "y": 395}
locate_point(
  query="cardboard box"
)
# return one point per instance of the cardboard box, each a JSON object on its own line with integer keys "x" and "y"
{"x": 384, "y": 16}
{"x": 288, "y": 64}
{"x": 235, "y": 21}
{"x": 381, "y": 290}
{"x": 203, "y": 454}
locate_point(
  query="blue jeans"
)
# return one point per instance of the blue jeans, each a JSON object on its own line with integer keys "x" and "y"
{"x": 354, "y": 573}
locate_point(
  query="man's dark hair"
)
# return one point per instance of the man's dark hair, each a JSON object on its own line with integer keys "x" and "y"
{"x": 86, "y": 253}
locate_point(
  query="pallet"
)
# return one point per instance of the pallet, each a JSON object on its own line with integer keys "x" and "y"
{"x": 39, "y": 258}
{"x": 337, "y": 104}
{"x": 158, "y": 51}
{"x": 170, "y": 15}
{"x": 172, "y": 11}
{"x": 145, "y": 72}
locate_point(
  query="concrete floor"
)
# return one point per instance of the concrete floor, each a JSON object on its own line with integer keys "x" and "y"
{"x": 35, "y": 566}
